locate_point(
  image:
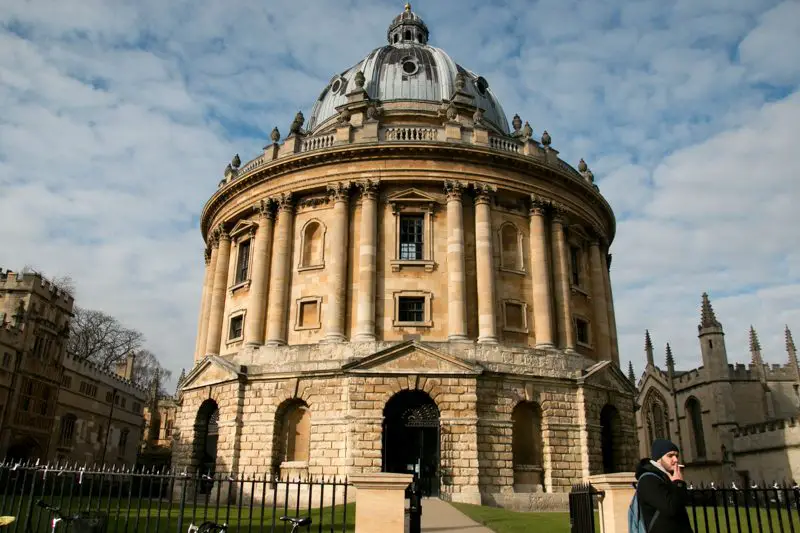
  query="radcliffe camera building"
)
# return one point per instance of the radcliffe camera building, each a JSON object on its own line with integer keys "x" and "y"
{"x": 404, "y": 282}
{"x": 732, "y": 422}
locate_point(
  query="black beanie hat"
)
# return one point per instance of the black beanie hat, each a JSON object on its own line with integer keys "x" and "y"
{"x": 662, "y": 447}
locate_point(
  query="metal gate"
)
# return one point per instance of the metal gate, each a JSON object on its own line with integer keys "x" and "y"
{"x": 426, "y": 417}
{"x": 414, "y": 435}
{"x": 581, "y": 508}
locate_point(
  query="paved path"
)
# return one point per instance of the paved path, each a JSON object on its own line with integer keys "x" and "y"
{"x": 442, "y": 517}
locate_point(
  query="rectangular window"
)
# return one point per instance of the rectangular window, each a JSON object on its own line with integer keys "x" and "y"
{"x": 575, "y": 263}
{"x": 243, "y": 262}
{"x": 123, "y": 440}
{"x": 109, "y": 397}
{"x": 124, "y": 401}
{"x": 309, "y": 313}
{"x": 67, "y": 429}
{"x": 514, "y": 317}
{"x": 66, "y": 381}
{"x": 237, "y": 325}
{"x": 411, "y": 309}
{"x": 137, "y": 407}
{"x": 6, "y": 359}
{"x": 582, "y": 330}
{"x": 411, "y": 237}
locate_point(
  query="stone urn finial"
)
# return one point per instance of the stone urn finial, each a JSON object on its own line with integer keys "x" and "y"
{"x": 589, "y": 176}
{"x": 297, "y": 123}
{"x": 582, "y": 166}
{"x": 360, "y": 80}
{"x": 516, "y": 122}
{"x": 477, "y": 117}
{"x": 527, "y": 131}
{"x": 461, "y": 82}
{"x": 452, "y": 111}
{"x": 546, "y": 139}
{"x": 236, "y": 162}
{"x": 275, "y": 135}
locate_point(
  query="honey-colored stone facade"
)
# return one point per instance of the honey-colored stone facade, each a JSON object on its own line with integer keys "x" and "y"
{"x": 399, "y": 248}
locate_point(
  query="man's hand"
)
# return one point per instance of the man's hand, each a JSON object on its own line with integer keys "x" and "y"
{"x": 676, "y": 475}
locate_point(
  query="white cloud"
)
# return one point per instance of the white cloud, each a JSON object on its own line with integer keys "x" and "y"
{"x": 117, "y": 119}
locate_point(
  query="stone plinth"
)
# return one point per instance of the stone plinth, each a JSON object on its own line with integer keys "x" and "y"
{"x": 380, "y": 502}
{"x": 618, "y": 491}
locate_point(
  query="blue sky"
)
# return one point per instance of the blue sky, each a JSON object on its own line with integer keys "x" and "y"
{"x": 117, "y": 119}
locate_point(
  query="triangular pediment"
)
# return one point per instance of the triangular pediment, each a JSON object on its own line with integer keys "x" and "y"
{"x": 412, "y": 195}
{"x": 412, "y": 357}
{"x": 242, "y": 227}
{"x": 212, "y": 370}
{"x": 607, "y": 375}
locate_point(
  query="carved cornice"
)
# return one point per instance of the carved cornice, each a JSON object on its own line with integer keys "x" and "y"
{"x": 340, "y": 191}
{"x": 369, "y": 188}
{"x": 453, "y": 189}
{"x": 360, "y": 152}
{"x": 313, "y": 201}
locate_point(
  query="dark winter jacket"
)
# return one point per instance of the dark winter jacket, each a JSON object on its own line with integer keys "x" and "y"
{"x": 661, "y": 494}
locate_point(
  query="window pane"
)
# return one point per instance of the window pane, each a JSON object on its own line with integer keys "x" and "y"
{"x": 236, "y": 327}
{"x": 411, "y": 233}
{"x": 575, "y": 256}
{"x": 243, "y": 262}
{"x": 411, "y": 310}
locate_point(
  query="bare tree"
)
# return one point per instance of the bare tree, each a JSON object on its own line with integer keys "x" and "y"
{"x": 101, "y": 338}
{"x": 63, "y": 283}
{"x": 147, "y": 368}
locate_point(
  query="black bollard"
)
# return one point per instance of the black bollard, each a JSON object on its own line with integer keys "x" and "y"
{"x": 415, "y": 508}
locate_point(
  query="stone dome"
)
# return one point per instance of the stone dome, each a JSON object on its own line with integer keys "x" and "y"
{"x": 408, "y": 70}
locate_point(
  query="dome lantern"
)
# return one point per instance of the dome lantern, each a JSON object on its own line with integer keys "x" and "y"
{"x": 407, "y": 27}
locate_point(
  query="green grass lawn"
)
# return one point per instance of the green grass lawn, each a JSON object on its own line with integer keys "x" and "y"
{"x": 503, "y": 521}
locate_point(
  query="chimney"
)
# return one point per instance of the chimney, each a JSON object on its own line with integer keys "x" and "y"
{"x": 125, "y": 368}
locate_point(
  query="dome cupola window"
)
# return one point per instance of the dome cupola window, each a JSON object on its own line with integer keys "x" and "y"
{"x": 410, "y": 65}
{"x": 407, "y": 28}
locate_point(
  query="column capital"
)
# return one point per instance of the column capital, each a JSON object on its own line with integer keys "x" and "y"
{"x": 264, "y": 208}
{"x": 539, "y": 205}
{"x": 207, "y": 255}
{"x": 369, "y": 188}
{"x": 483, "y": 192}
{"x": 453, "y": 189}
{"x": 221, "y": 233}
{"x": 340, "y": 191}
{"x": 284, "y": 201}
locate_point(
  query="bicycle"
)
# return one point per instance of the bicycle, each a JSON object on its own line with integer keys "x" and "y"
{"x": 213, "y": 527}
{"x": 92, "y": 520}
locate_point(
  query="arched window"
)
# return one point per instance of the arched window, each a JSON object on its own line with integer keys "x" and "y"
{"x": 694, "y": 414}
{"x": 408, "y": 35}
{"x": 67, "y": 431}
{"x": 527, "y": 447}
{"x": 510, "y": 247}
{"x": 657, "y": 415}
{"x": 313, "y": 245}
{"x": 293, "y": 432}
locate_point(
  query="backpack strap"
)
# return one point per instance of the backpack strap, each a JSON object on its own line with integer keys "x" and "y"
{"x": 639, "y": 502}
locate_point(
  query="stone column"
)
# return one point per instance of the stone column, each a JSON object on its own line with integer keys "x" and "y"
{"x": 257, "y": 299}
{"x": 337, "y": 295}
{"x": 600, "y": 338}
{"x": 218, "y": 293}
{"x": 205, "y": 303}
{"x": 367, "y": 262}
{"x": 540, "y": 273}
{"x": 487, "y": 319}
{"x": 281, "y": 273}
{"x": 456, "y": 280}
{"x": 612, "y": 320}
{"x": 563, "y": 291}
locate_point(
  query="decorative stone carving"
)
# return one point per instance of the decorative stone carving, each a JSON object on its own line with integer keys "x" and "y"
{"x": 314, "y": 201}
{"x": 228, "y": 170}
{"x": 236, "y": 162}
{"x": 589, "y": 176}
{"x": 207, "y": 255}
{"x": 546, "y": 139}
{"x": 344, "y": 116}
{"x": 452, "y": 111}
{"x": 284, "y": 201}
{"x": 373, "y": 112}
{"x": 582, "y": 166}
{"x": 359, "y": 80}
{"x": 297, "y": 124}
{"x": 453, "y": 189}
{"x": 484, "y": 192}
{"x": 461, "y": 82}
{"x": 539, "y": 204}
{"x": 516, "y": 123}
{"x": 527, "y": 131}
{"x": 222, "y": 233}
{"x": 339, "y": 191}
{"x": 275, "y": 135}
{"x": 264, "y": 207}
{"x": 477, "y": 117}
{"x": 369, "y": 188}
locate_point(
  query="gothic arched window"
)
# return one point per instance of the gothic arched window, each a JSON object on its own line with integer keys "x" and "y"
{"x": 694, "y": 415}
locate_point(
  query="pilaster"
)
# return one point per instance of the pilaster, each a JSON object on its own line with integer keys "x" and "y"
{"x": 367, "y": 262}
{"x": 456, "y": 279}
{"x": 540, "y": 272}
{"x": 487, "y": 319}
{"x": 257, "y": 299}
{"x": 336, "y": 311}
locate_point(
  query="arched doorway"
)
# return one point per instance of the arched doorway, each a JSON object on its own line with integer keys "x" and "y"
{"x": 609, "y": 438}
{"x": 411, "y": 438}
{"x": 23, "y": 449}
{"x": 206, "y": 435}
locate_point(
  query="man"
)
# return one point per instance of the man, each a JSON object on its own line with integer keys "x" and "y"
{"x": 664, "y": 492}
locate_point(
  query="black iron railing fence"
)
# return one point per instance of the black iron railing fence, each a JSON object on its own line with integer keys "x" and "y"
{"x": 773, "y": 508}
{"x": 169, "y": 502}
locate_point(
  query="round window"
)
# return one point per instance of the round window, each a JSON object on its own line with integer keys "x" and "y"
{"x": 481, "y": 85}
{"x": 336, "y": 85}
{"x": 410, "y": 67}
